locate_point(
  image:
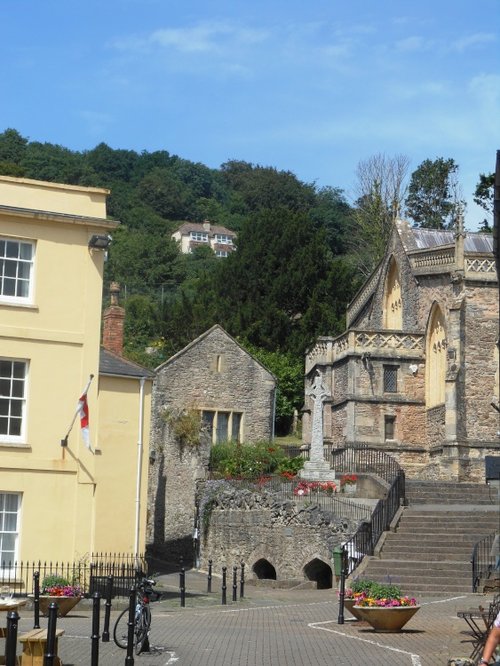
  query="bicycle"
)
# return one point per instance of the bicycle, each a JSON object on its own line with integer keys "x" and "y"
{"x": 142, "y": 618}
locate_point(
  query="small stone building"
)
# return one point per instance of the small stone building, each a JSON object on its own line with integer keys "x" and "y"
{"x": 416, "y": 372}
{"x": 211, "y": 391}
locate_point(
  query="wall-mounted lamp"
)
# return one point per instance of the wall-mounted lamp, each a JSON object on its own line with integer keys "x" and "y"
{"x": 100, "y": 241}
{"x": 152, "y": 456}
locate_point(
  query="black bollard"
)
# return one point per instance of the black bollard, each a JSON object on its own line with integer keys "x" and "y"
{"x": 96, "y": 607}
{"x": 36, "y": 599}
{"x": 50, "y": 648}
{"x": 209, "y": 580}
{"x": 343, "y": 573}
{"x": 11, "y": 638}
{"x": 129, "y": 659}
{"x": 242, "y": 581}
{"x": 182, "y": 585}
{"x": 224, "y": 586}
{"x": 235, "y": 583}
{"x": 107, "y": 610}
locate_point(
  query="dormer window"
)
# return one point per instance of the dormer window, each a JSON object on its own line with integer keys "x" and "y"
{"x": 199, "y": 236}
{"x": 223, "y": 239}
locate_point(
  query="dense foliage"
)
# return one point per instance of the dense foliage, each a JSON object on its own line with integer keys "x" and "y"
{"x": 250, "y": 461}
{"x": 301, "y": 251}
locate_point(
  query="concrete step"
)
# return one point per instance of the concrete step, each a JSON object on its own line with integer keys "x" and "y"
{"x": 445, "y": 530}
{"x": 433, "y": 539}
{"x": 451, "y": 517}
{"x": 426, "y": 556}
{"x": 441, "y": 567}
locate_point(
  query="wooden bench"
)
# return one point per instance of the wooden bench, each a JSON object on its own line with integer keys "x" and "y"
{"x": 34, "y": 647}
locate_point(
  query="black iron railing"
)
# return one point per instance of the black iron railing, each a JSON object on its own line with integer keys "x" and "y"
{"x": 484, "y": 560}
{"x": 371, "y": 461}
{"x": 363, "y": 460}
{"x": 90, "y": 575}
{"x": 304, "y": 493}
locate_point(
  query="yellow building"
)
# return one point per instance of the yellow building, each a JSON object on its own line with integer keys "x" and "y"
{"x": 64, "y": 502}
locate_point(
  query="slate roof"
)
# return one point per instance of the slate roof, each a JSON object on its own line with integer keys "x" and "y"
{"x": 117, "y": 366}
{"x": 187, "y": 227}
{"x": 426, "y": 239}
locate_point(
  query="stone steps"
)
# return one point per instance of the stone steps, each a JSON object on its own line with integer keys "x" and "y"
{"x": 425, "y": 492}
{"x": 430, "y": 551}
{"x": 428, "y": 556}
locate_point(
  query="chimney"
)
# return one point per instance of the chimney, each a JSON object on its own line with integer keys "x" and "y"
{"x": 113, "y": 321}
{"x": 206, "y": 225}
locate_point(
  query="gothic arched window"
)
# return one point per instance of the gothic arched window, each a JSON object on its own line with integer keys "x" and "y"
{"x": 393, "y": 306}
{"x": 435, "y": 359}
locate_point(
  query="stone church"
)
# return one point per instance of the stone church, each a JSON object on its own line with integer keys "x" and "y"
{"x": 416, "y": 372}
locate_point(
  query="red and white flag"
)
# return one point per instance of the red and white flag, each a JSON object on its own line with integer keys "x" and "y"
{"x": 83, "y": 412}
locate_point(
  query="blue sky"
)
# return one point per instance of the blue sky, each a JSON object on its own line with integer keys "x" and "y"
{"x": 310, "y": 86}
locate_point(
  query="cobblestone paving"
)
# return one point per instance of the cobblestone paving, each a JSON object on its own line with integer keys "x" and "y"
{"x": 271, "y": 627}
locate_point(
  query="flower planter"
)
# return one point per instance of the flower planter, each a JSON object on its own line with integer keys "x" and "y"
{"x": 349, "y": 605}
{"x": 350, "y": 488}
{"x": 383, "y": 619}
{"x": 64, "y": 604}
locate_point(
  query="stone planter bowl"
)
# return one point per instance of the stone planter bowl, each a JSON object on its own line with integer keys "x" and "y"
{"x": 349, "y": 605}
{"x": 64, "y": 604}
{"x": 388, "y": 620}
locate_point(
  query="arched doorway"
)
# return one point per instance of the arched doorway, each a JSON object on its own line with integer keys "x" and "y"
{"x": 320, "y": 572}
{"x": 263, "y": 569}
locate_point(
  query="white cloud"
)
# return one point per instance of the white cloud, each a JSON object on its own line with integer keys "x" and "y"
{"x": 208, "y": 37}
{"x": 410, "y": 44}
{"x": 476, "y": 39}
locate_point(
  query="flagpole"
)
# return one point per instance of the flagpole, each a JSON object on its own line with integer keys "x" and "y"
{"x": 64, "y": 441}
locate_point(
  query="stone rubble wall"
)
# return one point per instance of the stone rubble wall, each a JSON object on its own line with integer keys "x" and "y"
{"x": 245, "y": 526}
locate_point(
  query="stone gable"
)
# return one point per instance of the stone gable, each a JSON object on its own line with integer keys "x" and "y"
{"x": 213, "y": 375}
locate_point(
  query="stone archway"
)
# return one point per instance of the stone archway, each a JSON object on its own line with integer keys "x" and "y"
{"x": 263, "y": 569}
{"x": 320, "y": 572}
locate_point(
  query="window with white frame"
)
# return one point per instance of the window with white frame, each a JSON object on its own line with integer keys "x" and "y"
{"x": 16, "y": 270}
{"x": 222, "y": 426}
{"x": 199, "y": 236}
{"x": 13, "y": 376}
{"x": 221, "y": 253}
{"x": 10, "y": 506}
{"x": 223, "y": 239}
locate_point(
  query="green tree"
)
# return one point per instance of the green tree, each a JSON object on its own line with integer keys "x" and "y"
{"x": 167, "y": 195}
{"x": 434, "y": 197}
{"x": 266, "y": 187}
{"x": 141, "y": 262}
{"x": 265, "y": 288}
{"x": 380, "y": 190}
{"x": 111, "y": 164}
{"x": 483, "y": 196}
{"x": 289, "y": 372}
{"x": 12, "y": 149}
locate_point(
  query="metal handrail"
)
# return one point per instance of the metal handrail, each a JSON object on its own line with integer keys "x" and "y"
{"x": 483, "y": 560}
{"x": 365, "y": 539}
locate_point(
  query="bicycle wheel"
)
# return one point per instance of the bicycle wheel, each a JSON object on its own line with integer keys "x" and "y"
{"x": 143, "y": 623}
{"x": 120, "y": 630}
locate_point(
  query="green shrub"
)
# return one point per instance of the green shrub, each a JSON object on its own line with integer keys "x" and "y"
{"x": 375, "y": 590}
{"x": 52, "y": 580}
{"x": 248, "y": 461}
